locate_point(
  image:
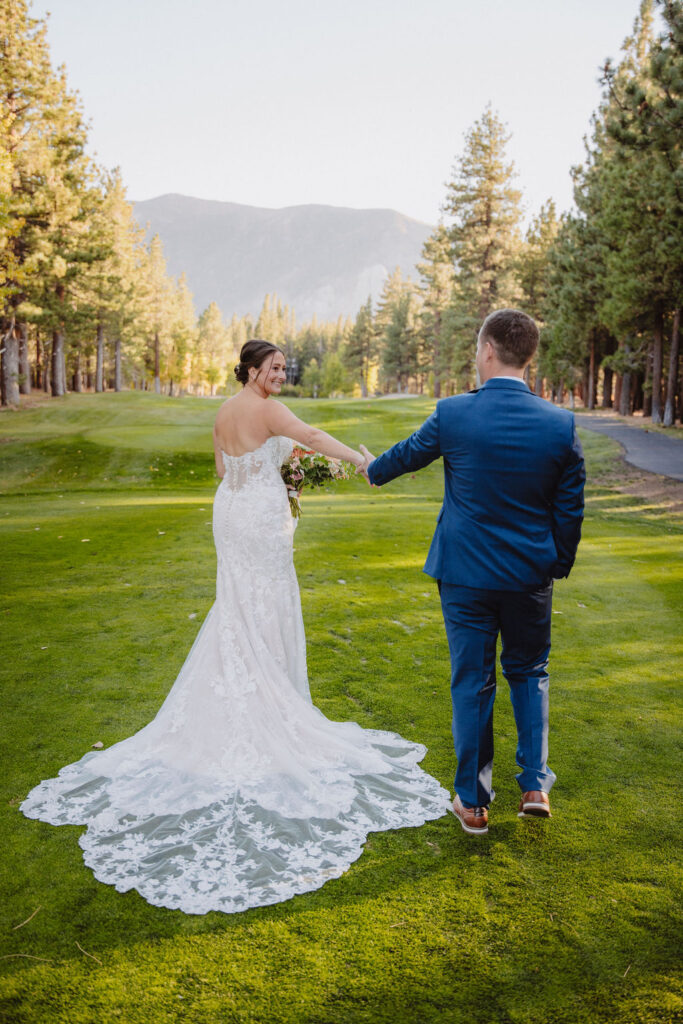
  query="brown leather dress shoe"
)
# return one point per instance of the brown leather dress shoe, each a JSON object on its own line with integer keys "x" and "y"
{"x": 474, "y": 820}
{"x": 534, "y": 804}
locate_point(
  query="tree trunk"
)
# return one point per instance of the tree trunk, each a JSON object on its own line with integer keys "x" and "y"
{"x": 58, "y": 357}
{"x": 24, "y": 364}
{"x": 560, "y": 393}
{"x": 639, "y": 400}
{"x": 38, "y": 377}
{"x": 625, "y": 394}
{"x": 607, "y": 377}
{"x": 99, "y": 366}
{"x": 58, "y": 374}
{"x": 538, "y": 385}
{"x": 77, "y": 377}
{"x": 47, "y": 374}
{"x": 657, "y": 361}
{"x": 590, "y": 404}
{"x": 157, "y": 364}
{"x": 670, "y": 405}
{"x": 117, "y": 365}
{"x": 9, "y": 363}
{"x": 647, "y": 383}
{"x": 437, "y": 355}
{"x": 617, "y": 391}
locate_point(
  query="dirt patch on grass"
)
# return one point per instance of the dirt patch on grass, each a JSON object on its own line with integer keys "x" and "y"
{"x": 659, "y": 493}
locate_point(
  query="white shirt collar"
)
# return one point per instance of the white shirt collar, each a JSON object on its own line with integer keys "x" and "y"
{"x": 503, "y": 376}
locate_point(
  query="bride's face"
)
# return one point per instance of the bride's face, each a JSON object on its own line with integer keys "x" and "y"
{"x": 272, "y": 374}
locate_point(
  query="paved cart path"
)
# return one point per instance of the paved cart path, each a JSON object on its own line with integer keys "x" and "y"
{"x": 643, "y": 448}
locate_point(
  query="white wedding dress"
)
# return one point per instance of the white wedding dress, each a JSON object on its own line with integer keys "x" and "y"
{"x": 240, "y": 793}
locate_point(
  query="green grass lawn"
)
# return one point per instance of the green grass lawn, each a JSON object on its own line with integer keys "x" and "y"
{"x": 108, "y": 568}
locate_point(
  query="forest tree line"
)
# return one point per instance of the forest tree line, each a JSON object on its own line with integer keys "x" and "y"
{"x": 87, "y": 303}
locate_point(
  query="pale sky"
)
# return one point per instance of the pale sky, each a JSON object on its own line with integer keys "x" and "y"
{"x": 359, "y": 103}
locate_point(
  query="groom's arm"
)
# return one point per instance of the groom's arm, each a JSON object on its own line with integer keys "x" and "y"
{"x": 568, "y": 508}
{"x": 416, "y": 451}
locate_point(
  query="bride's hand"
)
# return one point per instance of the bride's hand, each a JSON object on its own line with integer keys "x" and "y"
{"x": 368, "y": 457}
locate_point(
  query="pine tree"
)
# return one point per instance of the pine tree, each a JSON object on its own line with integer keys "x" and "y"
{"x": 401, "y": 343}
{"x": 361, "y": 347}
{"x": 240, "y": 331}
{"x": 532, "y": 262}
{"x": 268, "y": 325}
{"x": 394, "y": 290}
{"x": 311, "y": 378}
{"x": 110, "y": 288}
{"x": 574, "y": 337}
{"x": 182, "y": 337}
{"x": 158, "y": 303}
{"x": 644, "y": 203}
{"x": 213, "y": 349}
{"x": 533, "y": 267}
{"x": 333, "y": 378}
{"x": 484, "y": 207}
{"x": 71, "y": 202}
{"x": 438, "y": 277}
{"x": 485, "y": 213}
{"x": 26, "y": 86}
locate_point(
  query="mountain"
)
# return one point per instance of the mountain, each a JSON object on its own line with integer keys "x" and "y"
{"x": 318, "y": 259}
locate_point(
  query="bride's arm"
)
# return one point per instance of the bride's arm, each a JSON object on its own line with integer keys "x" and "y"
{"x": 220, "y": 465}
{"x": 282, "y": 420}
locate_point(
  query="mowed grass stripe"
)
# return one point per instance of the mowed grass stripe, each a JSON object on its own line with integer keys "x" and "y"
{"x": 574, "y": 920}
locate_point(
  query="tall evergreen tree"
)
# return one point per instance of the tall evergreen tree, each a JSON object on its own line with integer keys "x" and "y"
{"x": 532, "y": 271}
{"x": 485, "y": 212}
{"x": 182, "y": 338}
{"x": 111, "y": 288}
{"x": 484, "y": 209}
{"x": 158, "y": 303}
{"x": 400, "y": 353}
{"x": 361, "y": 347}
{"x": 26, "y": 87}
{"x": 213, "y": 349}
{"x": 71, "y": 200}
{"x": 644, "y": 203}
{"x": 438, "y": 277}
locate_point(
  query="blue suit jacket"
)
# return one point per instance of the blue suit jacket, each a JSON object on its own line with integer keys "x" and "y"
{"x": 514, "y": 476}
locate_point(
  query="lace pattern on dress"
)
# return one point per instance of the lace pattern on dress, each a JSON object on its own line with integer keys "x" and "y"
{"x": 240, "y": 793}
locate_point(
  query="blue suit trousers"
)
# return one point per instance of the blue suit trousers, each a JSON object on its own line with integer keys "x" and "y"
{"x": 473, "y": 619}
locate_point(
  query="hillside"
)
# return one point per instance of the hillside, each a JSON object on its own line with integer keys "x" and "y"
{"x": 318, "y": 259}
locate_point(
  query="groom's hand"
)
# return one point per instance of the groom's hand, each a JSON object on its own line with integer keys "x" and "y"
{"x": 369, "y": 457}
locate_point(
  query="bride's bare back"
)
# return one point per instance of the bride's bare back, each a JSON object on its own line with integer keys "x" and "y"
{"x": 241, "y": 425}
{"x": 246, "y": 421}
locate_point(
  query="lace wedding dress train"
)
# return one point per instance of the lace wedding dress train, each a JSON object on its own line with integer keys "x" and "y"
{"x": 240, "y": 793}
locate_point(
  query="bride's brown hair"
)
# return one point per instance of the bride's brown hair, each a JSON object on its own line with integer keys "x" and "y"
{"x": 253, "y": 353}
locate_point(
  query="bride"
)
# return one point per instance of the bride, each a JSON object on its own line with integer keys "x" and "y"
{"x": 240, "y": 793}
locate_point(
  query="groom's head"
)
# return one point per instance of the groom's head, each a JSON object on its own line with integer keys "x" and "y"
{"x": 507, "y": 341}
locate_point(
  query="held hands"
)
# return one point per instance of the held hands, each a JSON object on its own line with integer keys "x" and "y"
{"x": 368, "y": 457}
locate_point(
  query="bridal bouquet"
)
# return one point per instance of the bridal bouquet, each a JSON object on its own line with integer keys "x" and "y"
{"x": 305, "y": 468}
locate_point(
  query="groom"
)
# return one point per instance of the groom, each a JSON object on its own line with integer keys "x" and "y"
{"x": 509, "y": 525}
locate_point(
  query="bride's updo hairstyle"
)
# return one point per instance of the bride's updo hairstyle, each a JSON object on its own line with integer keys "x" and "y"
{"x": 254, "y": 353}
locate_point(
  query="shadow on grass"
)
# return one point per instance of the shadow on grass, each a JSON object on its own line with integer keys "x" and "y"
{"x": 567, "y": 920}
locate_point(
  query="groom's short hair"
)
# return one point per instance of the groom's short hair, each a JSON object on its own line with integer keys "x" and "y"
{"x": 513, "y": 334}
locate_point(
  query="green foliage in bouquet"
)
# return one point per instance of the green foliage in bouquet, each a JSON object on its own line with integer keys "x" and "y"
{"x": 306, "y": 468}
